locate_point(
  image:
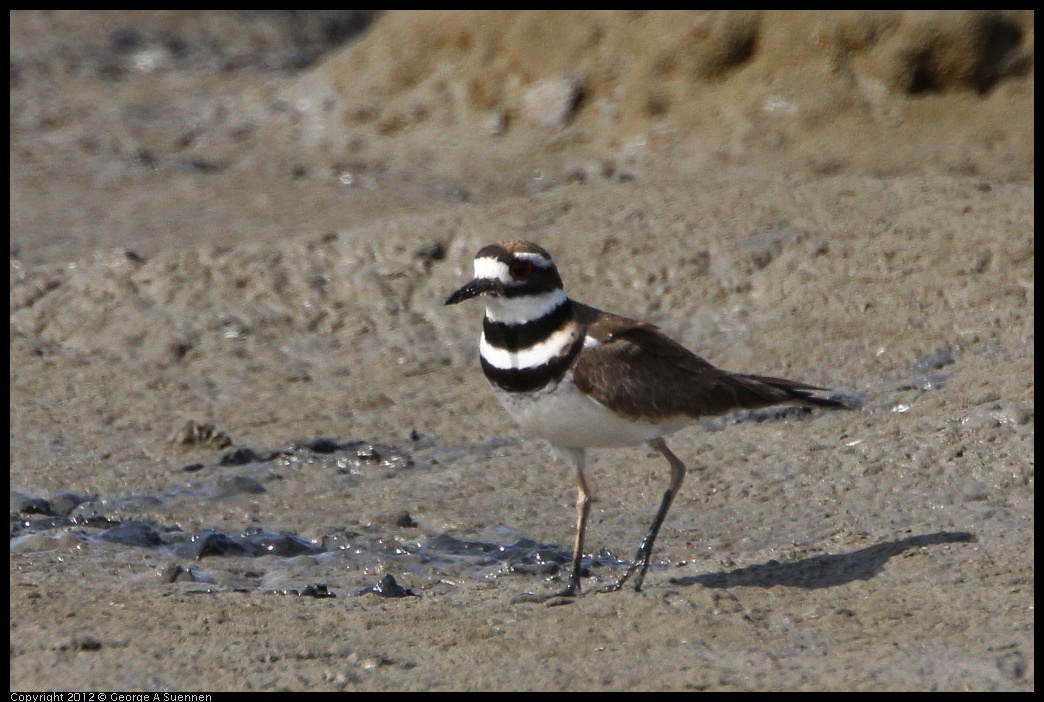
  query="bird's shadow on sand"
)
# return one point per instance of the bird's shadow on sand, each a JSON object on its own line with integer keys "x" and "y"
{"x": 823, "y": 571}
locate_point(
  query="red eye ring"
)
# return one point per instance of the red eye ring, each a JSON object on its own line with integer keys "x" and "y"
{"x": 521, "y": 269}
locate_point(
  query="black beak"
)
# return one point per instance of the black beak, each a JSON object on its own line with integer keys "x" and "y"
{"x": 475, "y": 288}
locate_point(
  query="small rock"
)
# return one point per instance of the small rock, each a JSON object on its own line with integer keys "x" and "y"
{"x": 26, "y": 504}
{"x": 387, "y": 587}
{"x": 85, "y": 643}
{"x": 497, "y": 123}
{"x": 64, "y": 502}
{"x": 552, "y": 102}
{"x": 133, "y": 533}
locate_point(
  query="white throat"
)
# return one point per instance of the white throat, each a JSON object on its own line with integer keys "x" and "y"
{"x": 527, "y": 308}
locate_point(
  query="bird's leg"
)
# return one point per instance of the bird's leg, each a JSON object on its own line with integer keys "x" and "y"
{"x": 644, "y": 554}
{"x": 583, "y": 509}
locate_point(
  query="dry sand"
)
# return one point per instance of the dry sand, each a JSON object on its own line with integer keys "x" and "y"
{"x": 236, "y": 230}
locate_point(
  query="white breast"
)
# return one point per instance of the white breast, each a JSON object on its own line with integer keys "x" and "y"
{"x": 526, "y": 308}
{"x": 567, "y": 418}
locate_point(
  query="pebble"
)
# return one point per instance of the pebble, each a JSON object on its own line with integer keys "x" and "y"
{"x": 551, "y": 103}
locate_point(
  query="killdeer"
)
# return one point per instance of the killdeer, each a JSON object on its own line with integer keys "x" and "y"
{"x": 582, "y": 378}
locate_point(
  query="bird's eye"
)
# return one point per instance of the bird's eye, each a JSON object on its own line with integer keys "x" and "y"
{"x": 521, "y": 269}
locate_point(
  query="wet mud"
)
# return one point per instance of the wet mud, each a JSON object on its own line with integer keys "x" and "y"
{"x": 251, "y": 450}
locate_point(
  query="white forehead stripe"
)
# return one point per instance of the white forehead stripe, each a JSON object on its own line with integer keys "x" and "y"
{"x": 492, "y": 269}
{"x": 524, "y": 308}
{"x": 488, "y": 267}
{"x": 532, "y": 357}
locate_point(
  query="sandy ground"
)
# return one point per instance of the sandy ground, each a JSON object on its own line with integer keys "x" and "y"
{"x": 235, "y": 231}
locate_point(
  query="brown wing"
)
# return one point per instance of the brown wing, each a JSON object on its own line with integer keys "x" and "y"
{"x": 641, "y": 372}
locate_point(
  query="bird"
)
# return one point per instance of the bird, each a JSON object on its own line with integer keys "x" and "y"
{"x": 581, "y": 378}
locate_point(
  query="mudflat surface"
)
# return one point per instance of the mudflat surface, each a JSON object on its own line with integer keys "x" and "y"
{"x": 235, "y": 390}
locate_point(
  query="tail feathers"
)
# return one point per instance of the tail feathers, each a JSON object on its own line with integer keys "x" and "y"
{"x": 763, "y": 391}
